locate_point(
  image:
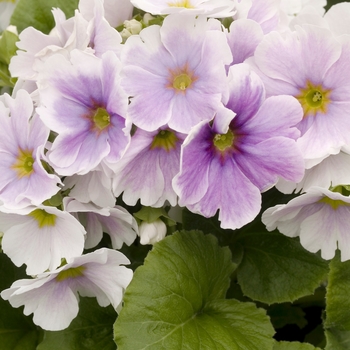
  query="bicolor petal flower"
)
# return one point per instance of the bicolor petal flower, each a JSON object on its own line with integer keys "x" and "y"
{"x": 312, "y": 65}
{"x": 148, "y": 167}
{"x": 53, "y": 297}
{"x": 320, "y": 217}
{"x": 85, "y": 105}
{"x": 226, "y": 165}
{"x": 117, "y": 222}
{"x": 208, "y": 8}
{"x": 41, "y": 237}
{"x": 22, "y": 141}
{"x": 188, "y": 81}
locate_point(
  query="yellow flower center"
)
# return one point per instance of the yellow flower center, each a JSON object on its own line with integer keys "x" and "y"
{"x": 224, "y": 141}
{"x": 181, "y": 79}
{"x": 73, "y": 272}
{"x": 43, "y": 218}
{"x": 185, "y": 3}
{"x": 165, "y": 139}
{"x": 101, "y": 119}
{"x": 24, "y": 163}
{"x": 334, "y": 203}
{"x": 314, "y": 99}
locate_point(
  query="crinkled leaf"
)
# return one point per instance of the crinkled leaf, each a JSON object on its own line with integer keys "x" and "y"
{"x": 92, "y": 329}
{"x": 337, "y": 323}
{"x": 17, "y": 331}
{"x": 37, "y": 13}
{"x": 175, "y": 300}
{"x": 276, "y": 268}
{"x": 284, "y": 345}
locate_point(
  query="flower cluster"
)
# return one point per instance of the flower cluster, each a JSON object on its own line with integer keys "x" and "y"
{"x": 187, "y": 112}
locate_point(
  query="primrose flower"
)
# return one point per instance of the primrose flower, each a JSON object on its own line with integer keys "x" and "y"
{"x": 188, "y": 81}
{"x": 40, "y": 237}
{"x": 148, "y": 167}
{"x": 320, "y": 217}
{"x": 313, "y": 66}
{"x": 84, "y": 104}
{"x": 53, "y": 297}
{"x": 208, "y": 8}
{"x": 22, "y": 141}
{"x": 226, "y": 165}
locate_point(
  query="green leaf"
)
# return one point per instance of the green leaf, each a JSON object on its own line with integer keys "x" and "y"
{"x": 175, "y": 300}
{"x": 17, "y": 331}
{"x": 37, "y": 13}
{"x": 8, "y": 46}
{"x": 284, "y": 345}
{"x": 337, "y": 322}
{"x": 92, "y": 329}
{"x": 276, "y": 268}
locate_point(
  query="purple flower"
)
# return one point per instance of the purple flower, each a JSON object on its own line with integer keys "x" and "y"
{"x": 312, "y": 65}
{"x": 53, "y": 297}
{"x": 226, "y": 165}
{"x": 85, "y": 105}
{"x": 22, "y": 141}
{"x": 175, "y": 74}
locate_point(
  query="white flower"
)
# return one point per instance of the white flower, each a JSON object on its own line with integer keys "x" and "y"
{"x": 53, "y": 296}
{"x": 320, "y": 217}
{"x": 40, "y": 237}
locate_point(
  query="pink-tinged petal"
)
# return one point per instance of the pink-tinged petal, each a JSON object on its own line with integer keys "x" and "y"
{"x": 151, "y": 106}
{"x": 21, "y": 110}
{"x": 306, "y": 54}
{"x": 54, "y": 304}
{"x": 147, "y": 43}
{"x": 277, "y": 116}
{"x": 320, "y": 232}
{"x": 182, "y": 37}
{"x": 287, "y": 218}
{"x": 78, "y": 154}
{"x": 243, "y": 38}
{"x": 246, "y": 91}
{"x": 57, "y": 113}
{"x": 264, "y": 162}
{"x": 192, "y": 108}
{"x": 332, "y": 126}
{"x": 230, "y": 191}
{"x": 192, "y": 182}
{"x": 141, "y": 179}
{"x": 273, "y": 86}
{"x": 94, "y": 231}
{"x": 337, "y": 77}
{"x": 121, "y": 227}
